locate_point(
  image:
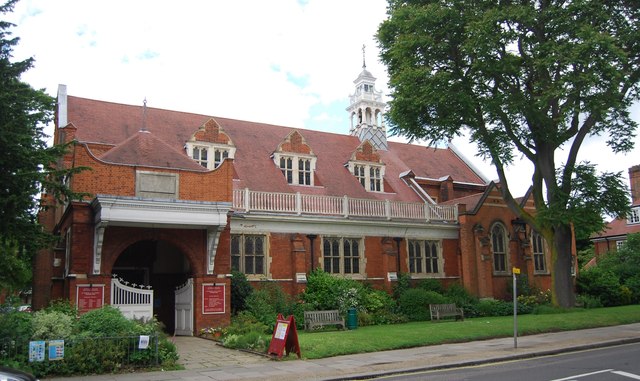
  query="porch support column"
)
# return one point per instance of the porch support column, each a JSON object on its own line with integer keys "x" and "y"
{"x": 213, "y": 236}
{"x": 98, "y": 239}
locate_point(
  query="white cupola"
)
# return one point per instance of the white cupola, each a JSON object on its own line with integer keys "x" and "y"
{"x": 366, "y": 110}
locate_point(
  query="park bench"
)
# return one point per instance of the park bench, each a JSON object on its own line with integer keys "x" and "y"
{"x": 439, "y": 311}
{"x": 318, "y": 319}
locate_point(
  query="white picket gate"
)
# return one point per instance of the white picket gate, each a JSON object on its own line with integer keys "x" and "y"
{"x": 184, "y": 309}
{"x": 134, "y": 302}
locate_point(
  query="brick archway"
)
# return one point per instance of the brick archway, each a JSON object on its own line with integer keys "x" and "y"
{"x": 160, "y": 258}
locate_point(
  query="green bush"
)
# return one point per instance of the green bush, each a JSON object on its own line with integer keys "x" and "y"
{"x": 240, "y": 291}
{"x": 494, "y": 307}
{"x": 414, "y": 303}
{"x": 402, "y": 284}
{"x": 107, "y": 321}
{"x": 431, "y": 284}
{"x": 589, "y": 301}
{"x": 602, "y": 283}
{"x": 253, "y": 340}
{"x": 54, "y": 325}
{"x": 64, "y": 306}
{"x": 325, "y": 291}
{"x": 375, "y": 301}
{"x": 459, "y": 295}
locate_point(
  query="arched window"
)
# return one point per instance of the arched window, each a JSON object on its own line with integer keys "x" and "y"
{"x": 499, "y": 247}
{"x": 538, "y": 249}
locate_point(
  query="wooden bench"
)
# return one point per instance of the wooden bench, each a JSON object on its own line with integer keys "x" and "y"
{"x": 439, "y": 311}
{"x": 317, "y": 319}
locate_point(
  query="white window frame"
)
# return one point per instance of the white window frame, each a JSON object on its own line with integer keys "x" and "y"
{"x": 242, "y": 254}
{"x": 499, "y": 249}
{"x": 620, "y": 243}
{"x": 419, "y": 265}
{"x": 299, "y": 175}
{"x": 341, "y": 260}
{"x": 212, "y": 150}
{"x": 634, "y": 216}
{"x": 370, "y": 182}
{"x": 539, "y": 253}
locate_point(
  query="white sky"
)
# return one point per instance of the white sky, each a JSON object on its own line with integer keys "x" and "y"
{"x": 284, "y": 62}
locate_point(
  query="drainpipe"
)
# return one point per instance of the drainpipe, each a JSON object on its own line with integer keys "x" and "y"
{"x": 311, "y": 238}
{"x": 398, "y": 240}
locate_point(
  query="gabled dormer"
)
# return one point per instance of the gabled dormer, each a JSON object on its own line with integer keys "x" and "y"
{"x": 365, "y": 164}
{"x": 210, "y": 145}
{"x": 296, "y": 160}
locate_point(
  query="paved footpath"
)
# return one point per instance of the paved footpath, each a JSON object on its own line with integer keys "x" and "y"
{"x": 204, "y": 360}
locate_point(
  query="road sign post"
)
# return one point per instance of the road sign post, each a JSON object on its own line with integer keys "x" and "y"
{"x": 515, "y": 272}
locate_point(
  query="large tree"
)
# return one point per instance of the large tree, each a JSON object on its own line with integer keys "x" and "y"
{"x": 523, "y": 78}
{"x": 26, "y": 163}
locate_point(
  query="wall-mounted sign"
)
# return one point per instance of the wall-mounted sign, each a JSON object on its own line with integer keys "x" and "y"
{"x": 213, "y": 298}
{"x": 89, "y": 297}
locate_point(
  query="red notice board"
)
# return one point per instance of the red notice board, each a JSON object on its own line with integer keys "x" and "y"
{"x": 285, "y": 337}
{"x": 89, "y": 297}
{"x": 213, "y": 298}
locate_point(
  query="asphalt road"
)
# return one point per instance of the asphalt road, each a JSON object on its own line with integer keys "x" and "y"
{"x": 618, "y": 363}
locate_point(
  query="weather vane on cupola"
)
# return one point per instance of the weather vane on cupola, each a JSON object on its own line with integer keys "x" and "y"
{"x": 364, "y": 65}
{"x": 144, "y": 115}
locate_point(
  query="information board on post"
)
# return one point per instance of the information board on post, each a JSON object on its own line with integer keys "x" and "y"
{"x": 89, "y": 297}
{"x": 285, "y": 337}
{"x": 213, "y": 298}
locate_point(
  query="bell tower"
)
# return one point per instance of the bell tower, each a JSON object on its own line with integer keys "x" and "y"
{"x": 366, "y": 109}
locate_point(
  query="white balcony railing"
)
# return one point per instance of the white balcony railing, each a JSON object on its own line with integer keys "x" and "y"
{"x": 298, "y": 204}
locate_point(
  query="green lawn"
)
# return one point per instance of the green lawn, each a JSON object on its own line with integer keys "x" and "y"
{"x": 384, "y": 337}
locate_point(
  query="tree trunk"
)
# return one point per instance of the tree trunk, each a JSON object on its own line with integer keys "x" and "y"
{"x": 563, "y": 293}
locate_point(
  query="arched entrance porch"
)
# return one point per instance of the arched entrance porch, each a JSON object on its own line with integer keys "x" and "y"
{"x": 161, "y": 265}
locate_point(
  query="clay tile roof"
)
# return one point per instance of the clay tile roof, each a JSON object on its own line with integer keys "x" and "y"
{"x": 144, "y": 149}
{"x": 617, "y": 227}
{"x": 113, "y": 123}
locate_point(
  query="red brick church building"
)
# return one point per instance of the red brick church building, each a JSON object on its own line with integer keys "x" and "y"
{"x": 176, "y": 201}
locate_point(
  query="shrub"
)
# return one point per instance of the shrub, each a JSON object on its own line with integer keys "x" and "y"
{"x": 240, "y": 290}
{"x": 494, "y": 307}
{"x": 457, "y": 294}
{"x": 601, "y": 283}
{"x": 403, "y": 284}
{"x": 589, "y": 301}
{"x": 431, "y": 284}
{"x": 414, "y": 303}
{"x": 54, "y": 325}
{"x": 107, "y": 321}
{"x": 374, "y": 301}
{"x": 325, "y": 291}
{"x": 63, "y": 306}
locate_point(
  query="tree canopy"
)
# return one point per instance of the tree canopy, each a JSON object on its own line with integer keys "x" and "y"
{"x": 26, "y": 162}
{"x": 523, "y": 78}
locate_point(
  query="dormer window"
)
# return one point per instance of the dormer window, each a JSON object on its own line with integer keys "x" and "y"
{"x": 369, "y": 175}
{"x": 296, "y": 160}
{"x": 297, "y": 170}
{"x": 203, "y": 153}
{"x": 210, "y": 145}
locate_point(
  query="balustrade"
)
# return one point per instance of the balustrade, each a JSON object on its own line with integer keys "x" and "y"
{"x": 297, "y": 203}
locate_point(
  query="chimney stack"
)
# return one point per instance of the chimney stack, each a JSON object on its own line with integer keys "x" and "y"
{"x": 634, "y": 181}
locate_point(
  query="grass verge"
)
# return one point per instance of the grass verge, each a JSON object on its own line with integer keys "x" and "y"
{"x": 385, "y": 337}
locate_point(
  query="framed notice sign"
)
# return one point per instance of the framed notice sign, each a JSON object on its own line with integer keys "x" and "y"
{"x": 89, "y": 297}
{"x": 213, "y": 298}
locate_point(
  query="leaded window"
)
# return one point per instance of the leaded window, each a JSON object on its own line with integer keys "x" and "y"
{"x": 539, "y": 262}
{"x": 498, "y": 244}
{"x": 341, "y": 255}
{"x": 248, "y": 253}
{"x": 424, "y": 257}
